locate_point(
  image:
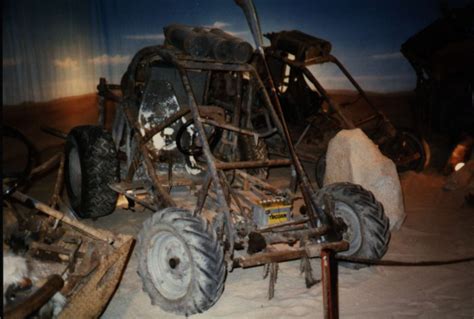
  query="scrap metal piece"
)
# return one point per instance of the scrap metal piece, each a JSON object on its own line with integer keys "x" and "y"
{"x": 34, "y": 302}
{"x": 310, "y": 250}
{"x": 91, "y": 299}
{"x": 99, "y": 234}
{"x": 305, "y": 267}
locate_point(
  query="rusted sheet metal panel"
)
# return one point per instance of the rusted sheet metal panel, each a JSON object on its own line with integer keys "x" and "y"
{"x": 91, "y": 299}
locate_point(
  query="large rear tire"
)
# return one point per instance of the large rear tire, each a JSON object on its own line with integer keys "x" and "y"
{"x": 367, "y": 226}
{"x": 181, "y": 262}
{"x": 91, "y": 164}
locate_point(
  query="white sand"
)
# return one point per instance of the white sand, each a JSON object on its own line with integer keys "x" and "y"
{"x": 438, "y": 226}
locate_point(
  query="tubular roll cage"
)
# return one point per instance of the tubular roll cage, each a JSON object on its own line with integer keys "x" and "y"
{"x": 347, "y": 123}
{"x": 213, "y": 175}
{"x": 319, "y": 219}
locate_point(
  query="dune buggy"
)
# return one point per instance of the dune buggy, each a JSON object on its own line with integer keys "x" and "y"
{"x": 183, "y": 144}
{"x": 291, "y": 57}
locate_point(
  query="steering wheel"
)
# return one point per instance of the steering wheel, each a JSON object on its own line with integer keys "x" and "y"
{"x": 188, "y": 142}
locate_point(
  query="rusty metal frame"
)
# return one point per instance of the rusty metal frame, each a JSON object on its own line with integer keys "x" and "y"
{"x": 215, "y": 177}
{"x": 347, "y": 123}
{"x": 92, "y": 293}
{"x": 329, "y": 284}
{"x": 310, "y": 251}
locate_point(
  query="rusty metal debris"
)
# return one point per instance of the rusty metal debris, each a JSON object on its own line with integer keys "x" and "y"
{"x": 92, "y": 288}
{"x": 36, "y": 300}
{"x": 85, "y": 263}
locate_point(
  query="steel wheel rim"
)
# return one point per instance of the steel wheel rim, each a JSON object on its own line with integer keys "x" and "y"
{"x": 169, "y": 264}
{"x": 354, "y": 228}
{"x": 75, "y": 172}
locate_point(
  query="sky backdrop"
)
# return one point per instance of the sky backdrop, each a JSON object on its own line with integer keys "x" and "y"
{"x": 57, "y": 48}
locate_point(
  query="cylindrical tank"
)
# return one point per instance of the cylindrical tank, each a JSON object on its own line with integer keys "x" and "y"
{"x": 300, "y": 44}
{"x": 236, "y": 49}
{"x": 201, "y": 42}
{"x": 185, "y": 38}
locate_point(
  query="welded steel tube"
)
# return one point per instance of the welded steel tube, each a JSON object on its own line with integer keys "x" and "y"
{"x": 311, "y": 251}
{"x": 252, "y": 164}
{"x": 329, "y": 283}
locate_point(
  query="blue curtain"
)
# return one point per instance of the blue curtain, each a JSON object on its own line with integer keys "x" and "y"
{"x": 52, "y": 49}
{"x": 58, "y": 48}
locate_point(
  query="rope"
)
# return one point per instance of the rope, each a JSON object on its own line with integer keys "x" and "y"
{"x": 398, "y": 263}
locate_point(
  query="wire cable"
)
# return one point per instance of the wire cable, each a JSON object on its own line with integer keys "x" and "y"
{"x": 398, "y": 263}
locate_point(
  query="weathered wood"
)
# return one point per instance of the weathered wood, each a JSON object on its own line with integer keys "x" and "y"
{"x": 54, "y": 251}
{"x": 312, "y": 250}
{"x": 92, "y": 297}
{"x": 58, "y": 186}
{"x": 99, "y": 234}
{"x": 34, "y": 302}
{"x": 54, "y": 132}
{"x": 46, "y": 166}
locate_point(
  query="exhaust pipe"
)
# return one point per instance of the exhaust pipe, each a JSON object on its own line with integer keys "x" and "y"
{"x": 252, "y": 19}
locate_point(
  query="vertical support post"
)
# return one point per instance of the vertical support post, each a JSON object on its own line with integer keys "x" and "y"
{"x": 307, "y": 190}
{"x": 102, "y": 87}
{"x": 201, "y": 200}
{"x": 58, "y": 186}
{"x": 237, "y": 112}
{"x": 211, "y": 165}
{"x": 329, "y": 283}
{"x": 248, "y": 105}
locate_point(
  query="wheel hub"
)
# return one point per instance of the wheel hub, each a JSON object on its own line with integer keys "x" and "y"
{"x": 353, "y": 230}
{"x": 75, "y": 172}
{"x": 169, "y": 264}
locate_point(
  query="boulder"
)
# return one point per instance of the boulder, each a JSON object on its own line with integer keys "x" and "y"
{"x": 353, "y": 157}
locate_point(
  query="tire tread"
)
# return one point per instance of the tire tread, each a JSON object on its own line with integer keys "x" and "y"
{"x": 374, "y": 222}
{"x": 207, "y": 255}
{"x": 99, "y": 165}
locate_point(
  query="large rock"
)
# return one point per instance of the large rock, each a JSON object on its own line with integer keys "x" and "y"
{"x": 353, "y": 157}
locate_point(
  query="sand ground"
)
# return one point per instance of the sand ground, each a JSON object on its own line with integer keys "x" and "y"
{"x": 438, "y": 226}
